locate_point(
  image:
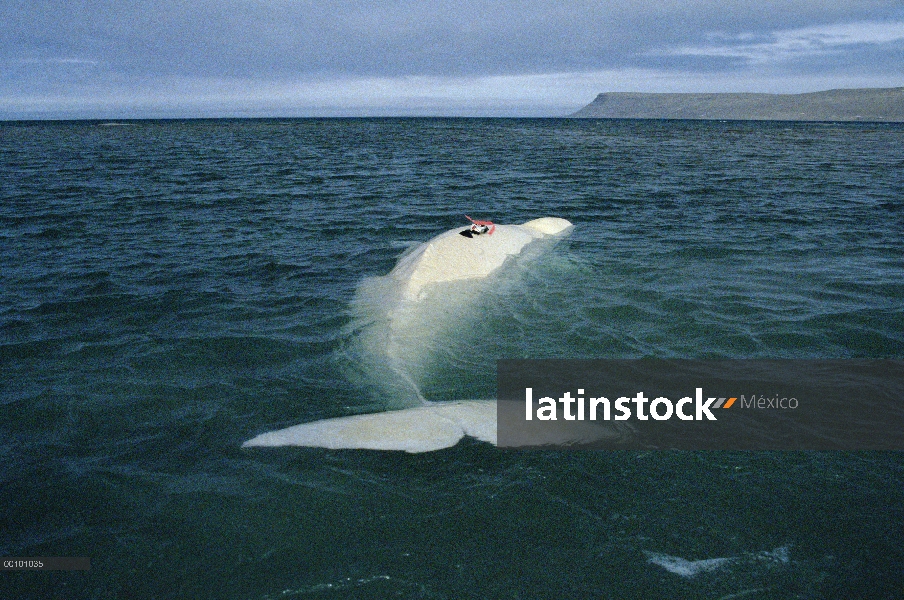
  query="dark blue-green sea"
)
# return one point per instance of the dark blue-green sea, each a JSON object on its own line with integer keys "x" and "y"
{"x": 170, "y": 289}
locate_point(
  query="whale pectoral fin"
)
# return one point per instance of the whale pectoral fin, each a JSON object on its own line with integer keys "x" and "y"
{"x": 420, "y": 429}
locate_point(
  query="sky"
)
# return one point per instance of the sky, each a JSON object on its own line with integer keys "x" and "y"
{"x": 299, "y": 58}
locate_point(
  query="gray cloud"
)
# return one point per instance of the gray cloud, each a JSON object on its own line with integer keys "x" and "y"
{"x": 70, "y": 48}
{"x": 790, "y": 44}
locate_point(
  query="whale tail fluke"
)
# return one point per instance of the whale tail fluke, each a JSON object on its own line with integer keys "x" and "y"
{"x": 433, "y": 426}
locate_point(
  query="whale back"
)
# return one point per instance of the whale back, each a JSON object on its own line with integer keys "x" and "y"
{"x": 451, "y": 256}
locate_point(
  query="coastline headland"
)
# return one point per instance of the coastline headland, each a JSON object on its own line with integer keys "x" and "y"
{"x": 868, "y": 104}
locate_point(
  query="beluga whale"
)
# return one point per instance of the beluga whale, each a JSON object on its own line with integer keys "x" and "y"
{"x": 401, "y": 333}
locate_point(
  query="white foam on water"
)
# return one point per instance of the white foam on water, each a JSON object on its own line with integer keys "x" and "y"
{"x": 687, "y": 568}
{"x": 691, "y": 568}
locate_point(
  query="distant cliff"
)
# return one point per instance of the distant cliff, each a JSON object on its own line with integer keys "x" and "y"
{"x": 872, "y": 104}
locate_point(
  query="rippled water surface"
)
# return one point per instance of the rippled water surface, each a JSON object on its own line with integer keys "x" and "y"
{"x": 170, "y": 289}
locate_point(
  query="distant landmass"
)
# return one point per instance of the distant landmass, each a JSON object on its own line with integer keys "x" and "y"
{"x": 871, "y": 104}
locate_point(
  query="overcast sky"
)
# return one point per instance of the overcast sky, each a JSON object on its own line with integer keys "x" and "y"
{"x": 144, "y": 58}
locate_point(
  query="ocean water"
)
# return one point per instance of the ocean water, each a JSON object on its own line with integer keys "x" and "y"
{"x": 169, "y": 289}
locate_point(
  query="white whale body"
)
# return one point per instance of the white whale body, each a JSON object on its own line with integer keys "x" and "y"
{"x": 402, "y": 321}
